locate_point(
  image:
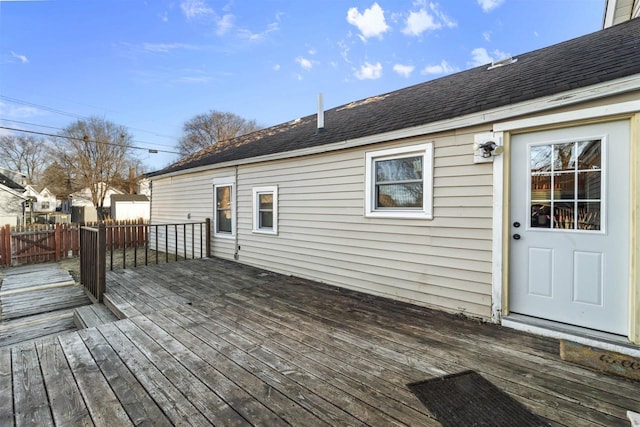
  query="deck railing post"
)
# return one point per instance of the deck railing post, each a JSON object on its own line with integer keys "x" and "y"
{"x": 101, "y": 252}
{"x": 207, "y": 236}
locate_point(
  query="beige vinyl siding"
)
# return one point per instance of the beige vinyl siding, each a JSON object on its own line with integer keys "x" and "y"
{"x": 324, "y": 235}
{"x": 175, "y": 197}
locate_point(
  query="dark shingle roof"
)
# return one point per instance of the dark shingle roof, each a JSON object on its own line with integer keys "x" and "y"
{"x": 591, "y": 59}
{"x": 8, "y": 182}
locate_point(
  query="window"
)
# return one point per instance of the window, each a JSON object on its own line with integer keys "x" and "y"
{"x": 224, "y": 210}
{"x": 44, "y": 205}
{"x": 265, "y": 210}
{"x": 399, "y": 182}
{"x": 566, "y": 186}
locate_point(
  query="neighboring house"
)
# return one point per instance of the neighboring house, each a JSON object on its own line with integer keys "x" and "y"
{"x": 83, "y": 197}
{"x": 42, "y": 201}
{"x": 618, "y": 11}
{"x": 507, "y": 192}
{"x": 144, "y": 187}
{"x": 12, "y": 201}
{"x": 130, "y": 207}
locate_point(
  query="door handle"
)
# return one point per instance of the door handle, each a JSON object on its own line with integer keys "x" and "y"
{"x": 516, "y": 237}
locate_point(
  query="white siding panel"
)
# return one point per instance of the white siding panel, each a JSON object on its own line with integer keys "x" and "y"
{"x": 189, "y": 197}
{"x": 323, "y": 234}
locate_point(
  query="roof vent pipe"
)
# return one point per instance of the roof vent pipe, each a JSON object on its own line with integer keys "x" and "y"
{"x": 320, "y": 114}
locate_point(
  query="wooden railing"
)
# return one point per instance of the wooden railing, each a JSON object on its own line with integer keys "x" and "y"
{"x": 92, "y": 260}
{"x": 131, "y": 245}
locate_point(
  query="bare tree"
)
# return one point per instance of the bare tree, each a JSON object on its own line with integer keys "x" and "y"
{"x": 95, "y": 154}
{"x": 206, "y": 129}
{"x": 25, "y": 154}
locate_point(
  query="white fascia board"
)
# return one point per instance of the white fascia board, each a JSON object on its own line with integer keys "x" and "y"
{"x": 614, "y": 87}
{"x": 569, "y": 116}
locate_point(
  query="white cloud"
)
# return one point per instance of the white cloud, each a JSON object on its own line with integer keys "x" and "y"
{"x": 193, "y": 9}
{"x": 256, "y": 37}
{"x": 22, "y": 58}
{"x": 488, "y": 5}
{"x": 480, "y": 56}
{"x": 304, "y": 63}
{"x": 19, "y": 112}
{"x": 164, "y": 17}
{"x": 276, "y": 67}
{"x": 224, "y": 24}
{"x": 166, "y": 47}
{"x": 403, "y": 70}
{"x": 369, "y": 71}
{"x": 344, "y": 51}
{"x": 486, "y": 36}
{"x": 312, "y": 51}
{"x": 371, "y": 22}
{"x": 421, "y": 21}
{"x": 442, "y": 68}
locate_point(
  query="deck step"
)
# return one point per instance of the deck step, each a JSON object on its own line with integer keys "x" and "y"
{"x": 600, "y": 359}
{"x": 93, "y": 315}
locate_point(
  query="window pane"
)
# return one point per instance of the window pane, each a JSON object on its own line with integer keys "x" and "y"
{"x": 266, "y": 201}
{"x": 564, "y": 184}
{"x": 589, "y": 184}
{"x": 541, "y": 187}
{"x": 399, "y": 195}
{"x": 589, "y": 155}
{"x": 564, "y": 157}
{"x": 266, "y": 219}
{"x": 589, "y": 216}
{"x": 223, "y": 197}
{"x": 224, "y": 220}
{"x": 405, "y": 169}
{"x": 564, "y": 216}
{"x": 541, "y": 158}
{"x": 540, "y": 215}
{"x": 223, "y": 209}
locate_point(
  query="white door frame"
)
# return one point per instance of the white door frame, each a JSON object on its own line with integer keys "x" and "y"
{"x": 501, "y": 171}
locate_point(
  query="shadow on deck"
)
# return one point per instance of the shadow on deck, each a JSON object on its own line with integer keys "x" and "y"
{"x": 214, "y": 342}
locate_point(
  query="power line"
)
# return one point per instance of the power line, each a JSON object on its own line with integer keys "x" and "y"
{"x": 56, "y": 128}
{"x": 74, "y": 115}
{"x": 150, "y": 150}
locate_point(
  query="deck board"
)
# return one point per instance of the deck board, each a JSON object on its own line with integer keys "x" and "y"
{"x": 213, "y": 342}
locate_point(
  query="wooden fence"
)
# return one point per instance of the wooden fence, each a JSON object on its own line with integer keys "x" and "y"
{"x": 38, "y": 243}
{"x": 130, "y": 245}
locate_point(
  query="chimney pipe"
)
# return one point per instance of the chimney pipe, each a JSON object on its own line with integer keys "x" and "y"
{"x": 320, "y": 114}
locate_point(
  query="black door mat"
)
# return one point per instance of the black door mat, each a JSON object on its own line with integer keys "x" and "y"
{"x": 467, "y": 399}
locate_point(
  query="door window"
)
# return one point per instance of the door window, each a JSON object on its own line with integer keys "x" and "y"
{"x": 566, "y": 185}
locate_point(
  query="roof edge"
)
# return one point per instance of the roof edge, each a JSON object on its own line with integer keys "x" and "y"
{"x": 588, "y": 93}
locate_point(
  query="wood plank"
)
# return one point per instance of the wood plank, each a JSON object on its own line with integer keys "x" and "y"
{"x": 139, "y": 405}
{"x": 237, "y": 365}
{"x": 362, "y": 402}
{"x": 208, "y": 403}
{"x": 258, "y": 404}
{"x": 510, "y": 369}
{"x": 6, "y": 389}
{"x": 30, "y": 402}
{"x": 65, "y": 400}
{"x": 173, "y": 403}
{"x": 29, "y": 303}
{"x": 102, "y": 403}
{"x": 25, "y": 329}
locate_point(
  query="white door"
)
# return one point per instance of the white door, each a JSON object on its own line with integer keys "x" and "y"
{"x": 569, "y": 248}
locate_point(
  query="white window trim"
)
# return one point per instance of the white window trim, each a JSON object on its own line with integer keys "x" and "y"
{"x": 425, "y": 150}
{"x": 225, "y": 182}
{"x": 256, "y": 207}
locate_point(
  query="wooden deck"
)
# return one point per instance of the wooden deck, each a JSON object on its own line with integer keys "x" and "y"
{"x": 37, "y": 301}
{"x": 211, "y": 342}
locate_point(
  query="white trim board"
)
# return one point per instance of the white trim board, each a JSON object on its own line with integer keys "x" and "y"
{"x": 571, "y": 333}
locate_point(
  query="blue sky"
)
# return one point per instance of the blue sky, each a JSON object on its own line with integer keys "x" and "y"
{"x": 152, "y": 65}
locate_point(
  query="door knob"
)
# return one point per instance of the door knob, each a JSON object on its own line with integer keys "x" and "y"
{"x": 516, "y": 237}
